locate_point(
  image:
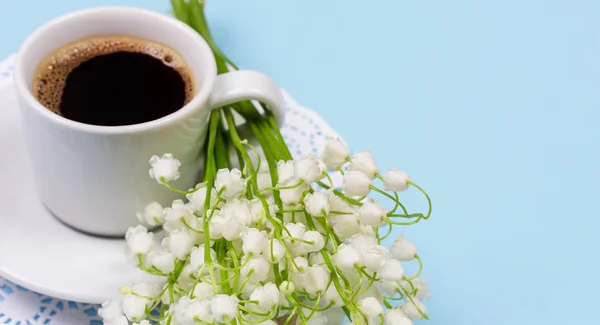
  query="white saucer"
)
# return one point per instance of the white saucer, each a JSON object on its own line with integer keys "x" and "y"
{"x": 41, "y": 254}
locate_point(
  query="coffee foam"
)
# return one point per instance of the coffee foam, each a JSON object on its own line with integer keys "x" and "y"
{"x": 52, "y": 73}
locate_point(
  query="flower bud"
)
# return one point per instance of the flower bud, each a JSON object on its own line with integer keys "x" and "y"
{"x": 139, "y": 240}
{"x": 335, "y": 153}
{"x": 166, "y": 168}
{"x": 356, "y": 183}
{"x": 395, "y": 180}
{"x": 316, "y": 204}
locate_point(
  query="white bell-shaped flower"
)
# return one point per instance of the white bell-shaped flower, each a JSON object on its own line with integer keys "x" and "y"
{"x": 165, "y": 168}
{"x": 315, "y": 279}
{"x": 230, "y": 182}
{"x": 197, "y": 199}
{"x": 317, "y": 318}
{"x": 258, "y": 212}
{"x": 287, "y": 287}
{"x": 395, "y": 316}
{"x": 268, "y": 296}
{"x": 422, "y": 288}
{"x": 292, "y": 192}
{"x": 224, "y": 307}
{"x": 333, "y": 296}
{"x": 163, "y": 260}
{"x": 110, "y": 310}
{"x": 374, "y": 258}
{"x": 345, "y": 225}
{"x": 308, "y": 169}
{"x": 134, "y": 307}
{"x": 274, "y": 251}
{"x": 338, "y": 205}
{"x": 226, "y": 226}
{"x": 146, "y": 289}
{"x": 316, "y": 258}
{"x": 139, "y": 240}
{"x": 179, "y": 242}
{"x": 316, "y": 204}
{"x": 238, "y": 209}
{"x": 263, "y": 179}
{"x": 411, "y": 309}
{"x": 300, "y": 264}
{"x": 395, "y": 180}
{"x": 402, "y": 249}
{"x": 364, "y": 162}
{"x": 371, "y": 213}
{"x": 370, "y": 307}
{"x": 317, "y": 242}
{"x": 363, "y": 242}
{"x": 197, "y": 260}
{"x": 285, "y": 170}
{"x": 347, "y": 257}
{"x": 294, "y": 230}
{"x": 255, "y": 241}
{"x": 199, "y": 309}
{"x": 335, "y": 153}
{"x": 392, "y": 270}
{"x": 153, "y": 214}
{"x": 257, "y": 269}
{"x": 356, "y": 183}
{"x": 176, "y": 214}
{"x": 121, "y": 320}
{"x": 203, "y": 290}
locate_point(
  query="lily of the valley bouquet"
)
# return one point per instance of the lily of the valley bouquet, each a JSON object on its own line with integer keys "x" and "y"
{"x": 268, "y": 238}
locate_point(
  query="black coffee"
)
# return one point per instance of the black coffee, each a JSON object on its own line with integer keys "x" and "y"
{"x": 113, "y": 81}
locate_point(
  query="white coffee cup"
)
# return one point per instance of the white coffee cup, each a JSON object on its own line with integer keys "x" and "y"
{"x": 95, "y": 178}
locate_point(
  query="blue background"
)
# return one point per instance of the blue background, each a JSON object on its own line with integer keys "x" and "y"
{"x": 493, "y": 106}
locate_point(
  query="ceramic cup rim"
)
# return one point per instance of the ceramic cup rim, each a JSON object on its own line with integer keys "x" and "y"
{"x": 23, "y": 87}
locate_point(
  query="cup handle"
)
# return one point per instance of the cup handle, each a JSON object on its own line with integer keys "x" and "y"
{"x": 243, "y": 85}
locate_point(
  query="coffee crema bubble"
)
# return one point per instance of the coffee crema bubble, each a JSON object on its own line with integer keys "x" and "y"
{"x": 113, "y": 80}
